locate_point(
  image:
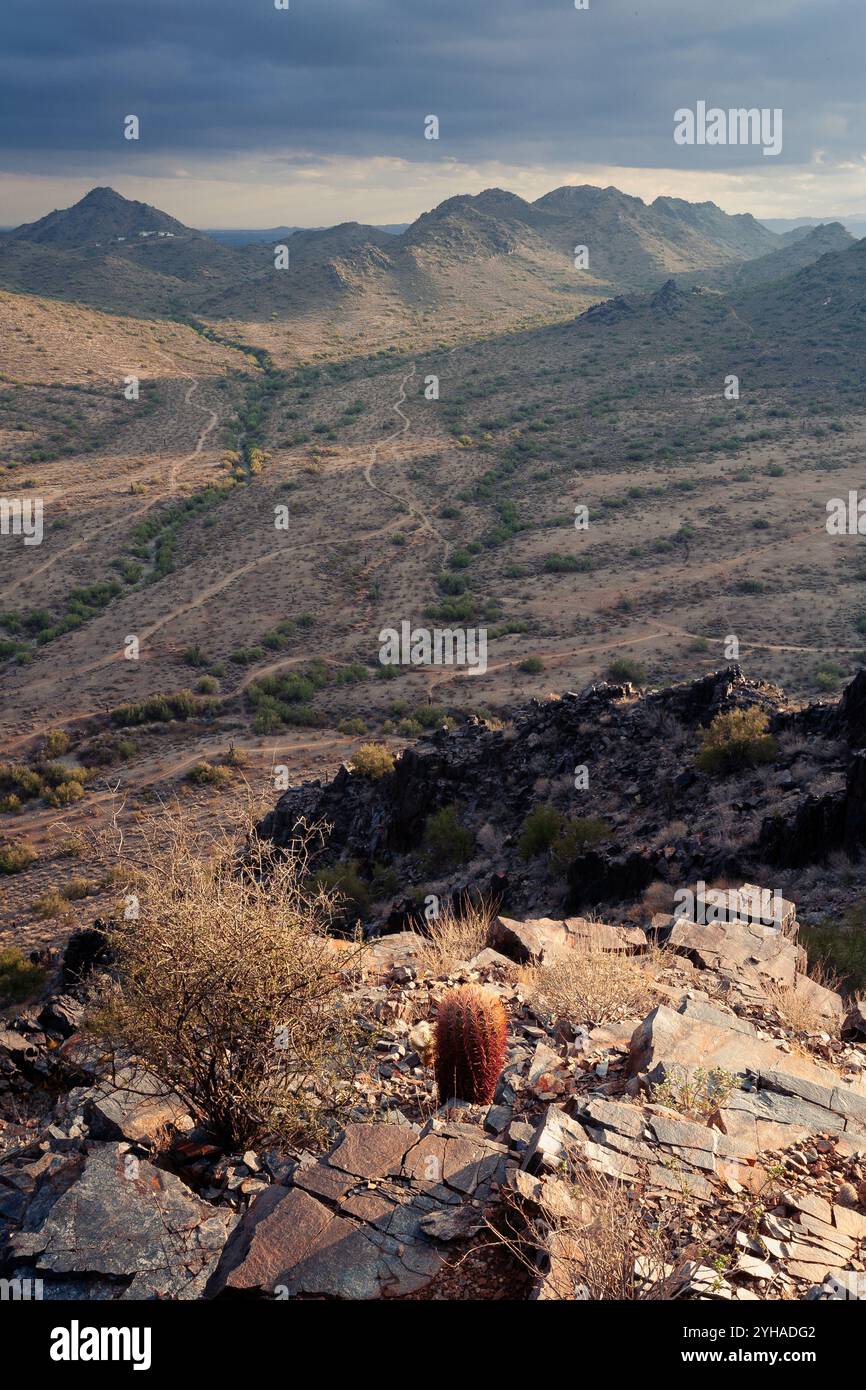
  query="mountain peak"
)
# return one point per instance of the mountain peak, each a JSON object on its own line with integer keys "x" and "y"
{"x": 100, "y": 217}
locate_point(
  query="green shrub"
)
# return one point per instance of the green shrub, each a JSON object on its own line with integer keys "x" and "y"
{"x": 540, "y": 829}
{"x": 737, "y": 739}
{"x": 206, "y": 774}
{"x": 623, "y": 669}
{"x": 344, "y": 881}
{"x": 446, "y": 841}
{"x": 840, "y": 947}
{"x": 531, "y": 665}
{"x": 372, "y": 760}
{"x": 574, "y": 837}
{"x": 56, "y": 743}
{"x": 19, "y": 977}
{"x": 65, "y": 793}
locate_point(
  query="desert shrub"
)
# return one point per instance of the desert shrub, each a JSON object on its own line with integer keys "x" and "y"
{"x": 230, "y": 992}
{"x": 795, "y": 1008}
{"x": 207, "y": 774}
{"x": 16, "y": 856}
{"x": 737, "y": 739}
{"x": 565, "y": 564}
{"x": 158, "y": 709}
{"x": 409, "y": 728}
{"x": 52, "y": 906}
{"x": 19, "y": 977}
{"x": 599, "y": 1244}
{"x": 531, "y": 665}
{"x": 587, "y": 985}
{"x": 839, "y": 947}
{"x": 348, "y": 895}
{"x": 574, "y": 837}
{"x": 625, "y": 669}
{"x": 21, "y": 779}
{"x": 65, "y": 793}
{"x": 828, "y": 675}
{"x": 372, "y": 760}
{"x": 540, "y": 829}
{"x": 207, "y": 685}
{"x": 471, "y": 1042}
{"x": 696, "y": 1093}
{"x": 546, "y": 828}
{"x": 446, "y": 841}
{"x": 352, "y": 727}
{"x": 77, "y": 888}
{"x": 56, "y": 743}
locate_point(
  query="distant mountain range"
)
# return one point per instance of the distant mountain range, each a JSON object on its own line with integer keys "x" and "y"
{"x": 855, "y": 223}
{"x": 471, "y": 265}
{"x": 244, "y": 236}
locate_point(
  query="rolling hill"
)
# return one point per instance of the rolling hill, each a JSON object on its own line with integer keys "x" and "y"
{"x": 472, "y": 265}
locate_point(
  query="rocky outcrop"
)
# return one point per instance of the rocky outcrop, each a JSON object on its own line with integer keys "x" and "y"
{"x": 640, "y": 751}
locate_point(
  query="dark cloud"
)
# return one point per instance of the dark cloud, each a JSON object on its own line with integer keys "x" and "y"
{"x": 510, "y": 81}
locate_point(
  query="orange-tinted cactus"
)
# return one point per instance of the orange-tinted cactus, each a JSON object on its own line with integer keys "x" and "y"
{"x": 471, "y": 1040}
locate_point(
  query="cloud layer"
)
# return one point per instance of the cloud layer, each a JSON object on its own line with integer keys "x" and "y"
{"x": 521, "y": 84}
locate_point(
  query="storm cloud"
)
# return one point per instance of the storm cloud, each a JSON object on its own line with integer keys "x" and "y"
{"x": 519, "y": 82}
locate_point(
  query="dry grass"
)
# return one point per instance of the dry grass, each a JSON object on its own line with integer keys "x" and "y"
{"x": 588, "y": 985}
{"x": 797, "y": 1010}
{"x": 451, "y": 938}
{"x": 600, "y": 1242}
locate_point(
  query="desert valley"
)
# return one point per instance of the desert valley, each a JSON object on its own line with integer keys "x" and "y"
{"x": 480, "y": 590}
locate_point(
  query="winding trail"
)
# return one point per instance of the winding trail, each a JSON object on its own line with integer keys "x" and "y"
{"x": 127, "y": 516}
{"x": 421, "y": 517}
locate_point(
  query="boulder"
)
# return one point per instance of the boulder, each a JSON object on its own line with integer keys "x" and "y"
{"x": 133, "y": 1106}
{"x": 110, "y": 1216}
{"x": 739, "y": 950}
{"x": 528, "y": 942}
{"x": 667, "y": 1040}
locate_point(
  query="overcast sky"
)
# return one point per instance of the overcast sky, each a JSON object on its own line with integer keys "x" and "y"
{"x": 253, "y": 116}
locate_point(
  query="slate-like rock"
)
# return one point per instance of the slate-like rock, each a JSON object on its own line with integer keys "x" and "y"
{"x": 112, "y": 1215}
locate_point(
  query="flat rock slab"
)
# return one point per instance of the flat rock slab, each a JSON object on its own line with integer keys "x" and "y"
{"x": 367, "y": 1222}
{"x": 113, "y": 1215}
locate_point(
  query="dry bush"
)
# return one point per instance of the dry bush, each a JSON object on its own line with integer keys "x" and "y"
{"x": 586, "y": 985}
{"x": 451, "y": 938}
{"x": 601, "y": 1242}
{"x": 228, "y": 989}
{"x": 372, "y": 760}
{"x": 658, "y": 897}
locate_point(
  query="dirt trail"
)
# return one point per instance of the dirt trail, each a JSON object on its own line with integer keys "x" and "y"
{"x": 127, "y": 516}
{"x": 421, "y": 517}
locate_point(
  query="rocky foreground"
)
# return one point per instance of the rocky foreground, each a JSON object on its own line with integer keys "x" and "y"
{"x": 733, "y": 1141}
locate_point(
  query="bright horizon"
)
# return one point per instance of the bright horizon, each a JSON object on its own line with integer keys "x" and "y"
{"x": 265, "y": 206}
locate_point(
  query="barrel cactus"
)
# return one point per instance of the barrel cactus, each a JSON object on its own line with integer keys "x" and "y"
{"x": 471, "y": 1038}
